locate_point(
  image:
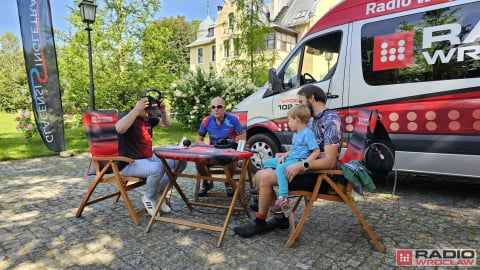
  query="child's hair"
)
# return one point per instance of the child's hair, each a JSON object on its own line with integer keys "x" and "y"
{"x": 300, "y": 111}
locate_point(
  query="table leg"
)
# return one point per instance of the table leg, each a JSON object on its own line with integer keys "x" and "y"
{"x": 237, "y": 186}
{"x": 172, "y": 182}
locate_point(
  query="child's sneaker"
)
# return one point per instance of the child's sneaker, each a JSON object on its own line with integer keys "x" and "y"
{"x": 281, "y": 205}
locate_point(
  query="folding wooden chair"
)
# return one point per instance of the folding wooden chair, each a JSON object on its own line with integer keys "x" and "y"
{"x": 242, "y": 117}
{"x": 103, "y": 142}
{"x": 356, "y": 148}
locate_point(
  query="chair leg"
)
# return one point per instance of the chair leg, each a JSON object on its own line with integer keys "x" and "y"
{"x": 124, "y": 195}
{"x": 94, "y": 184}
{"x": 250, "y": 176}
{"x": 306, "y": 212}
{"x": 299, "y": 226}
{"x": 197, "y": 188}
{"x": 365, "y": 225}
{"x": 291, "y": 215}
{"x": 358, "y": 215}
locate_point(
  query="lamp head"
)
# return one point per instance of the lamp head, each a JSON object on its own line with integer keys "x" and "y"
{"x": 88, "y": 10}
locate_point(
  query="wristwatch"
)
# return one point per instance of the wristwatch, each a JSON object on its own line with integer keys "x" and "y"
{"x": 305, "y": 165}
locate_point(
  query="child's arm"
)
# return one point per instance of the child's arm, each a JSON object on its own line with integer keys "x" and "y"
{"x": 283, "y": 157}
{"x": 314, "y": 155}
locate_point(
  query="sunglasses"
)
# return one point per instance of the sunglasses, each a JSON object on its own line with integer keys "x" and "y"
{"x": 220, "y": 106}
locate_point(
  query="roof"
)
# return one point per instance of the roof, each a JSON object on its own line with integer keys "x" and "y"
{"x": 297, "y": 12}
{"x": 202, "y": 41}
{"x": 206, "y": 23}
{"x": 354, "y": 10}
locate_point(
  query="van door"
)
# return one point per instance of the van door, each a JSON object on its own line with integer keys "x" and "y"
{"x": 319, "y": 59}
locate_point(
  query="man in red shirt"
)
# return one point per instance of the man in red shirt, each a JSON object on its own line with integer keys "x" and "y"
{"x": 134, "y": 130}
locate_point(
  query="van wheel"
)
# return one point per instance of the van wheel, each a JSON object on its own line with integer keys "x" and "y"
{"x": 265, "y": 147}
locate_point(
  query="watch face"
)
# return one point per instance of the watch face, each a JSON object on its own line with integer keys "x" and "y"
{"x": 305, "y": 165}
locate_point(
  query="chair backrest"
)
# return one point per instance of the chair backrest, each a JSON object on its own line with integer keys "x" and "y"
{"x": 366, "y": 120}
{"x": 371, "y": 144}
{"x": 100, "y": 130}
{"x": 242, "y": 117}
{"x": 101, "y": 135}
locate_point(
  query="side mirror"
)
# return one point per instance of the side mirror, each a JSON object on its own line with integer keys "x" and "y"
{"x": 274, "y": 83}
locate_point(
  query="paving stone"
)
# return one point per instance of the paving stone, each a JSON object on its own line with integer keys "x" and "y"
{"x": 39, "y": 230}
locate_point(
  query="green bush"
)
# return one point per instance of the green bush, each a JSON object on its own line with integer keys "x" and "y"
{"x": 190, "y": 96}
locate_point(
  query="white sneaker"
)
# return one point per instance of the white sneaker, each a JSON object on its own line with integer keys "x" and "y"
{"x": 149, "y": 204}
{"x": 165, "y": 208}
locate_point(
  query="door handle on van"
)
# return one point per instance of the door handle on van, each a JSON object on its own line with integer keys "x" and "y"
{"x": 332, "y": 96}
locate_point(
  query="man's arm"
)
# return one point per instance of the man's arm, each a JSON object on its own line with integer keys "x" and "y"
{"x": 202, "y": 130}
{"x": 124, "y": 123}
{"x": 199, "y": 140}
{"x": 165, "y": 119}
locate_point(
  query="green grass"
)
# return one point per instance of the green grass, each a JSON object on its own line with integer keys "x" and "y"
{"x": 13, "y": 146}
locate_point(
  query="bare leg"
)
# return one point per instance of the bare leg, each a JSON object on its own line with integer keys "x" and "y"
{"x": 265, "y": 180}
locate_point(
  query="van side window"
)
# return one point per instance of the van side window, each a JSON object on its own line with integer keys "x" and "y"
{"x": 428, "y": 46}
{"x": 315, "y": 62}
{"x": 320, "y": 58}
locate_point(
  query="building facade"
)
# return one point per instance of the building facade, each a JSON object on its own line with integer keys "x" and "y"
{"x": 216, "y": 41}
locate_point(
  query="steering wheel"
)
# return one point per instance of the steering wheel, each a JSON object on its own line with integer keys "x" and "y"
{"x": 308, "y": 80}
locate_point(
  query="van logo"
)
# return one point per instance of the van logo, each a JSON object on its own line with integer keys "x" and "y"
{"x": 393, "y": 51}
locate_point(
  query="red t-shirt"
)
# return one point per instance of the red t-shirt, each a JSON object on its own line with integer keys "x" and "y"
{"x": 136, "y": 143}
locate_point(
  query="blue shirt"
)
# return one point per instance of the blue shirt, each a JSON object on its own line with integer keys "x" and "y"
{"x": 303, "y": 143}
{"x": 228, "y": 129}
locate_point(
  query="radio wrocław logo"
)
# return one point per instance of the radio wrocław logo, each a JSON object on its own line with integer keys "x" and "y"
{"x": 436, "y": 257}
{"x": 393, "y": 51}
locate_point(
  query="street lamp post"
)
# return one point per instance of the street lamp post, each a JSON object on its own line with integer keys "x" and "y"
{"x": 88, "y": 11}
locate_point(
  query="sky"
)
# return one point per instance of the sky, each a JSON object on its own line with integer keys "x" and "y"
{"x": 191, "y": 9}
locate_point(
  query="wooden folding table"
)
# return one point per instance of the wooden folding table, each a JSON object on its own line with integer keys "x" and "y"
{"x": 209, "y": 156}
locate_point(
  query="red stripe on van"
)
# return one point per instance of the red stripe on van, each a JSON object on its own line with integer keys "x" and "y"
{"x": 456, "y": 114}
{"x": 356, "y": 10}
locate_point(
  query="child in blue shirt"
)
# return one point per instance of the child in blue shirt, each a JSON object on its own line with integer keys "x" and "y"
{"x": 304, "y": 148}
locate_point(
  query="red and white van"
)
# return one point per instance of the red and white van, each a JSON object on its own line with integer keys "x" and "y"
{"x": 416, "y": 61}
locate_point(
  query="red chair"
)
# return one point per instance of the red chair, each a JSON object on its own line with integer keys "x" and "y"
{"x": 104, "y": 163}
{"x": 339, "y": 193}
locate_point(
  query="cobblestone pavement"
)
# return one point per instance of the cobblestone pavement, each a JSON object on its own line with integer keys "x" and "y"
{"x": 39, "y": 230}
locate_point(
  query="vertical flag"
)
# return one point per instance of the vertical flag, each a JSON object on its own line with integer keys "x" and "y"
{"x": 42, "y": 70}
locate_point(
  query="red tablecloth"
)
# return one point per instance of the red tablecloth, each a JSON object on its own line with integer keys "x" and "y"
{"x": 201, "y": 154}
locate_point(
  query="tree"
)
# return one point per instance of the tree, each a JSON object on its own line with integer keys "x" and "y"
{"x": 14, "y": 93}
{"x": 164, "y": 51}
{"x": 116, "y": 39}
{"x": 249, "y": 39}
{"x": 191, "y": 94}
